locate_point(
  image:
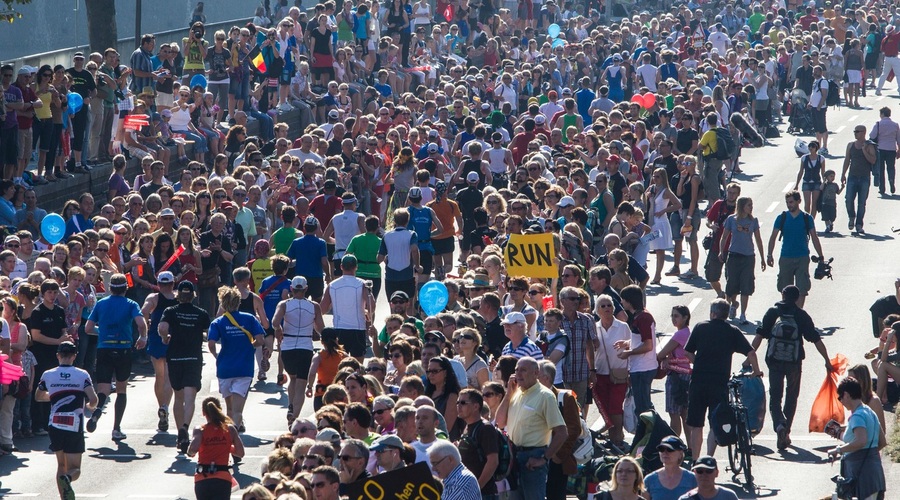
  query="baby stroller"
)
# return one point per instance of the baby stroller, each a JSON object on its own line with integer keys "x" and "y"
{"x": 800, "y": 119}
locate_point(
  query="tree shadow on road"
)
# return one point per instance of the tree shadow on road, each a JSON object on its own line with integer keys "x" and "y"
{"x": 10, "y": 464}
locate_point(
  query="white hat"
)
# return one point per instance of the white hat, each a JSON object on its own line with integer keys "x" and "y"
{"x": 333, "y": 114}
{"x": 513, "y": 317}
{"x": 298, "y": 282}
{"x": 540, "y": 119}
{"x": 166, "y": 277}
{"x": 473, "y": 177}
{"x": 566, "y": 201}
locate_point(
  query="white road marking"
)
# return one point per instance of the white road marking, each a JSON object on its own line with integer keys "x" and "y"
{"x": 853, "y": 118}
{"x": 807, "y": 439}
{"x": 840, "y": 129}
{"x": 772, "y": 207}
{"x": 790, "y": 185}
{"x": 144, "y": 496}
{"x": 153, "y": 432}
{"x": 21, "y": 495}
{"x": 694, "y": 303}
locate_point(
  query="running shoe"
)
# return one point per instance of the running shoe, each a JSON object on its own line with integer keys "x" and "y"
{"x": 290, "y": 416}
{"x": 282, "y": 378}
{"x": 92, "y": 422}
{"x": 782, "y": 439}
{"x": 183, "y": 440}
{"x": 118, "y": 435}
{"x": 732, "y": 311}
{"x": 242, "y": 429}
{"x": 65, "y": 486}
{"x": 40, "y": 432}
{"x": 163, "y": 424}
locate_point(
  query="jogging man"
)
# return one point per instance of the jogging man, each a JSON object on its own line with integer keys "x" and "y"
{"x": 66, "y": 388}
{"x": 273, "y": 290}
{"x": 181, "y": 328}
{"x": 346, "y": 297}
{"x": 153, "y": 308}
{"x": 426, "y": 225}
{"x": 114, "y": 316}
{"x": 785, "y": 325}
{"x": 295, "y": 320}
{"x": 798, "y": 228}
{"x": 239, "y": 333}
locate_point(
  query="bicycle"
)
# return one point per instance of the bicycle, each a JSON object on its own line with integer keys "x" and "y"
{"x": 741, "y": 450}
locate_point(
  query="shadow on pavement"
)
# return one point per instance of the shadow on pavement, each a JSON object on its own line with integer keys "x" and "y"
{"x": 182, "y": 466}
{"x": 10, "y": 464}
{"x": 668, "y": 290}
{"x": 758, "y": 491}
{"x": 122, "y": 454}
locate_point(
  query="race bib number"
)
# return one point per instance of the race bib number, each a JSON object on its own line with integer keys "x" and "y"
{"x": 65, "y": 422}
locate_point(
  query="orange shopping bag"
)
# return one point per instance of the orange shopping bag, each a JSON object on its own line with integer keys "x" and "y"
{"x": 826, "y": 405}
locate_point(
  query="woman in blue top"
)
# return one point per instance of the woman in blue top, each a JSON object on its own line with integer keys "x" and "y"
{"x": 7, "y": 210}
{"x": 863, "y": 438}
{"x": 671, "y": 481}
{"x": 743, "y": 228}
{"x": 612, "y": 78}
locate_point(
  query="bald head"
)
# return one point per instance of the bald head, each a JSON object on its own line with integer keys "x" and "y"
{"x": 611, "y": 242}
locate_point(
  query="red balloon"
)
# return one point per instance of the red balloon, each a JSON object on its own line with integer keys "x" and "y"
{"x": 649, "y": 99}
{"x": 638, "y": 98}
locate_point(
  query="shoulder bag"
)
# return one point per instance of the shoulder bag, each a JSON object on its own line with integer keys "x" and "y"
{"x": 617, "y": 376}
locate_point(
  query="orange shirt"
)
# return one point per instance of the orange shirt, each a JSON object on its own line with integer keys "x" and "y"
{"x": 215, "y": 448}
{"x": 328, "y": 367}
{"x": 446, "y": 211}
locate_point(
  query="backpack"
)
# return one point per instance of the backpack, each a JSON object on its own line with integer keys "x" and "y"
{"x": 781, "y": 70}
{"x": 726, "y": 148}
{"x": 834, "y": 94}
{"x": 584, "y": 445}
{"x": 504, "y": 454}
{"x": 548, "y": 347}
{"x": 784, "y": 342}
{"x": 723, "y": 424}
{"x": 806, "y": 220}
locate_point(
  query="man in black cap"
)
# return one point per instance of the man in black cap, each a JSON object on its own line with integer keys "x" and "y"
{"x": 84, "y": 84}
{"x": 181, "y": 328}
{"x": 66, "y": 388}
{"x": 706, "y": 469}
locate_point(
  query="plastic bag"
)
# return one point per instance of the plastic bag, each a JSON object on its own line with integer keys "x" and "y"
{"x": 629, "y": 419}
{"x": 826, "y": 406}
{"x": 753, "y": 395}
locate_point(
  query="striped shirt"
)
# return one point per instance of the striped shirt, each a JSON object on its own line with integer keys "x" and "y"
{"x": 580, "y": 330}
{"x": 461, "y": 484}
{"x": 526, "y": 348}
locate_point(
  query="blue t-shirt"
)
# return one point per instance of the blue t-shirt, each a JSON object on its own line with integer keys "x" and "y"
{"x": 863, "y": 416}
{"x": 308, "y": 251}
{"x": 660, "y": 492}
{"x": 273, "y": 297}
{"x": 361, "y": 26}
{"x": 420, "y": 221}
{"x": 384, "y": 89}
{"x": 236, "y": 358}
{"x": 114, "y": 316}
{"x": 78, "y": 224}
{"x": 795, "y": 233}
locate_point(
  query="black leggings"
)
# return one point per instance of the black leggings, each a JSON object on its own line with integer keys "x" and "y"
{"x": 212, "y": 489}
{"x": 79, "y": 122}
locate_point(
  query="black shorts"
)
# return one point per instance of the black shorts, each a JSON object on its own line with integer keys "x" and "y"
{"x": 185, "y": 373}
{"x": 739, "y": 275}
{"x": 9, "y": 145}
{"x": 818, "y": 118}
{"x": 112, "y": 362}
{"x": 871, "y": 61}
{"x": 443, "y": 245}
{"x": 65, "y": 441}
{"x": 315, "y": 288}
{"x": 713, "y": 267}
{"x": 426, "y": 260}
{"x": 354, "y": 341}
{"x": 408, "y": 286}
{"x": 702, "y": 397}
{"x": 297, "y": 362}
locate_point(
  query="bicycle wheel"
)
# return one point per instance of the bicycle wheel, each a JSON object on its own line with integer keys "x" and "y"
{"x": 745, "y": 449}
{"x": 734, "y": 459}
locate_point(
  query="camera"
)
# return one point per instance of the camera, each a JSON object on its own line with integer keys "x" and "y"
{"x": 845, "y": 487}
{"x": 197, "y": 34}
{"x": 823, "y": 269}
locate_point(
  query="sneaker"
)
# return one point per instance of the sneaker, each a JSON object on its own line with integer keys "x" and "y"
{"x": 824, "y": 151}
{"x": 242, "y": 429}
{"x": 40, "y": 432}
{"x": 92, "y": 422}
{"x": 877, "y": 92}
{"x": 163, "y": 424}
{"x": 118, "y": 435}
{"x": 732, "y": 311}
{"x": 781, "y": 440}
{"x": 65, "y": 487}
{"x": 39, "y": 181}
{"x": 859, "y": 230}
{"x": 64, "y": 175}
{"x": 850, "y": 225}
{"x": 743, "y": 320}
{"x": 184, "y": 440}
{"x": 829, "y": 227}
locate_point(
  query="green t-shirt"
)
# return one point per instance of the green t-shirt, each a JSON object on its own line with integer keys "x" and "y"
{"x": 755, "y": 21}
{"x": 283, "y": 238}
{"x": 365, "y": 247}
{"x": 383, "y": 336}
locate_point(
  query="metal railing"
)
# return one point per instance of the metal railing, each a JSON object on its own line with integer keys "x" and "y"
{"x": 125, "y": 46}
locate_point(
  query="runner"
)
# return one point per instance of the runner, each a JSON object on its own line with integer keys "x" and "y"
{"x": 181, "y": 329}
{"x": 252, "y": 304}
{"x": 66, "y": 388}
{"x": 113, "y": 319}
{"x": 154, "y": 307}
{"x": 295, "y": 321}
{"x": 273, "y": 290}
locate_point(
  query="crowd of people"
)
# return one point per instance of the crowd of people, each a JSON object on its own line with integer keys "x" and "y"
{"x": 431, "y": 133}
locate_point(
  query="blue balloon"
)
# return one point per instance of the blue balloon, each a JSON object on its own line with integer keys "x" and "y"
{"x": 198, "y": 80}
{"x": 433, "y": 297}
{"x": 559, "y": 42}
{"x": 553, "y": 30}
{"x": 53, "y": 228}
{"x": 75, "y": 102}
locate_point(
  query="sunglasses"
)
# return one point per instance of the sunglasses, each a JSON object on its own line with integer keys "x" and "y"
{"x": 703, "y": 471}
{"x": 515, "y": 289}
{"x": 489, "y": 394}
{"x": 374, "y": 369}
{"x": 346, "y": 458}
{"x": 379, "y": 412}
{"x": 605, "y": 306}
{"x": 534, "y": 292}
{"x": 303, "y": 430}
{"x": 433, "y": 371}
{"x": 320, "y": 484}
{"x": 399, "y": 301}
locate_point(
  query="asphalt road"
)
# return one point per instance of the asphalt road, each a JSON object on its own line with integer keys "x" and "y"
{"x": 146, "y": 465}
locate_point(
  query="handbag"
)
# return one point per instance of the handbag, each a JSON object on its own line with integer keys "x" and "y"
{"x": 209, "y": 278}
{"x": 617, "y": 376}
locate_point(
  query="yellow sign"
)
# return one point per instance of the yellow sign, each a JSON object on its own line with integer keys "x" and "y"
{"x": 531, "y": 255}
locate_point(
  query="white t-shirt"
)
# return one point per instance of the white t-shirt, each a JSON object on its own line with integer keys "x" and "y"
{"x": 820, "y": 89}
{"x": 648, "y": 73}
{"x": 719, "y": 41}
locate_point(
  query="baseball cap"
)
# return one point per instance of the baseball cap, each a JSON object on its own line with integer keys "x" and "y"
{"x": 433, "y": 133}
{"x": 67, "y": 348}
{"x": 706, "y": 462}
{"x": 15, "y": 239}
{"x": 24, "y": 70}
{"x": 614, "y": 159}
{"x": 298, "y": 282}
{"x": 329, "y": 435}
{"x": 333, "y": 114}
{"x": 472, "y": 177}
{"x": 384, "y": 442}
{"x": 566, "y": 201}
{"x": 513, "y": 317}
{"x": 349, "y": 260}
{"x": 78, "y": 55}
{"x": 261, "y": 247}
{"x": 330, "y": 184}
{"x": 186, "y": 286}
{"x": 167, "y": 212}
{"x": 671, "y": 443}
{"x": 399, "y": 294}
{"x": 166, "y": 277}
{"x": 311, "y": 221}
{"x": 432, "y": 148}
{"x": 415, "y": 193}
{"x": 567, "y": 91}
{"x": 540, "y": 119}
{"x": 226, "y": 205}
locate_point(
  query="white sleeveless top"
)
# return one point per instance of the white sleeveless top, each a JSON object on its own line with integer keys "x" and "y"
{"x": 497, "y": 160}
{"x": 345, "y": 228}
{"x": 299, "y": 318}
{"x": 347, "y": 303}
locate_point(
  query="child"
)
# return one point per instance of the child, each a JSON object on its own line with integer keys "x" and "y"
{"x": 324, "y": 366}
{"x": 556, "y": 341}
{"x": 423, "y": 178}
{"x": 830, "y": 190}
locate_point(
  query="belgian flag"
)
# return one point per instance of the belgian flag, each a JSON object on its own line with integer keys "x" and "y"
{"x": 256, "y": 60}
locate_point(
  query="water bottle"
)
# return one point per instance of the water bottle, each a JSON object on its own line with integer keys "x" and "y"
{"x": 652, "y": 235}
